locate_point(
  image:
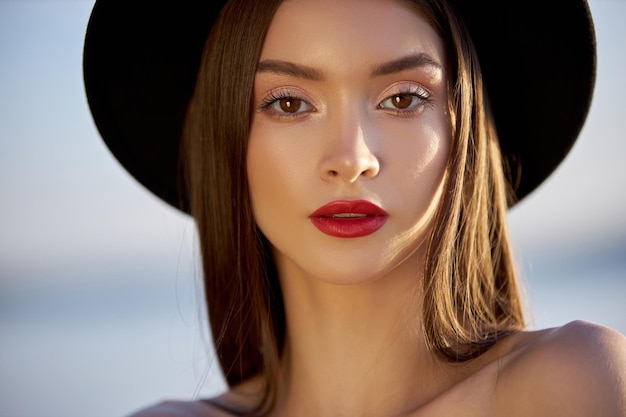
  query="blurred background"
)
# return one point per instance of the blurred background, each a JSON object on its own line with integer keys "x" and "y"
{"x": 99, "y": 313}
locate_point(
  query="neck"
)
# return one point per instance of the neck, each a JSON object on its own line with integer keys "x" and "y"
{"x": 355, "y": 350}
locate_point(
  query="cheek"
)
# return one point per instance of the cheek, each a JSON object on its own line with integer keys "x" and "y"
{"x": 260, "y": 171}
{"x": 418, "y": 180}
{"x": 420, "y": 164}
{"x": 272, "y": 170}
{"x": 431, "y": 166}
{"x": 429, "y": 156}
{"x": 434, "y": 157}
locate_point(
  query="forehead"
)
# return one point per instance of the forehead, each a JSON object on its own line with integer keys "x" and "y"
{"x": 353, "y": 33}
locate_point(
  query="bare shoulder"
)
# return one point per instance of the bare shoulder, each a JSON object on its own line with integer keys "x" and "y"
{"x": 236, "y": 401}
{"x": 578, "y": 369}
{"x": 180, "y": 409}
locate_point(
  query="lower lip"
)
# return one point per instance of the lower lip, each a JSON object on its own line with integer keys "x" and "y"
{"x": 349, "y": 227}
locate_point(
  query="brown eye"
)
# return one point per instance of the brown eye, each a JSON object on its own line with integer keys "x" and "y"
{"x": 406, "y": 102}
{"x": 290, "y": 104}
{"x": 284, "y": 104}
{"x": 402, "y": 101}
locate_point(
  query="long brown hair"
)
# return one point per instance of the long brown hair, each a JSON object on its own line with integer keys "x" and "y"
{"x": 471, "y": 291}
{"x": 241, "y": 288}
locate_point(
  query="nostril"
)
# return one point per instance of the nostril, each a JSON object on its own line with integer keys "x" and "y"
{"x": 331, "y": 173}
{"x": 349, "y": 165}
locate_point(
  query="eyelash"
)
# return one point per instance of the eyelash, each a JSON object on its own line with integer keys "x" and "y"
{"x": 414, "y": 91}
{"x": 275, "y": 96}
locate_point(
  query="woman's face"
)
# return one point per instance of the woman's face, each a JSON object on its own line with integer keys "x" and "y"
{"x": 350, "y": 137}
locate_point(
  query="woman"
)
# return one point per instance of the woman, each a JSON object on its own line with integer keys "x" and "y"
{"x": 349, "y": 166}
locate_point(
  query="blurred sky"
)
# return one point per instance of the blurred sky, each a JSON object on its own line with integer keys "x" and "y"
{"x": 73, "y": 223}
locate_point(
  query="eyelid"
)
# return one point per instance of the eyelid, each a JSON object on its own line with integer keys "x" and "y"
{"x": 271, "y": 96}
{"x": 405, "y": 87}
{"x": 284, "y": 92}
{"x": 416, "y": 90}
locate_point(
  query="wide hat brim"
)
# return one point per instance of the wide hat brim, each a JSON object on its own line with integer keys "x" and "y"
{"x": 140, "y": 63}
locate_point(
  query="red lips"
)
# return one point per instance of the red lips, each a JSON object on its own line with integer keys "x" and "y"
{"x": 349, "y": 218}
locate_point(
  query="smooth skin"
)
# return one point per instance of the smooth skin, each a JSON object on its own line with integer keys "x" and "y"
{"x": 358, "y": 111}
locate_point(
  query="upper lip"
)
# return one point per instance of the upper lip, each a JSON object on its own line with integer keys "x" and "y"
{"x": 349, "y": 207}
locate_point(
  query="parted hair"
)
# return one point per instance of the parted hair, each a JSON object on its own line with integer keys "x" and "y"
{"x": 471, "y": 294}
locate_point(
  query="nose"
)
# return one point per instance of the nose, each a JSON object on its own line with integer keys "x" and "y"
{"x": 348, "y": 155}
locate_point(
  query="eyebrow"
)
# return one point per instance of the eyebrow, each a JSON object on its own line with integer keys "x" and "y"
{"x": 405, "y": 63}
{"x": 289, "y": 68}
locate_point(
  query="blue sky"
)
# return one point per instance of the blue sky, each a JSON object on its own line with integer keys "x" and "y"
{"x": 73, "y": 222}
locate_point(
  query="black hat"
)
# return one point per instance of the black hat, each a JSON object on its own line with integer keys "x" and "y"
{"x": 538, "y": 60}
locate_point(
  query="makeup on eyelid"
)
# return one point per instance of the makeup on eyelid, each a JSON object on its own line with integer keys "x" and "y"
{"x": 404, "y": 99}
